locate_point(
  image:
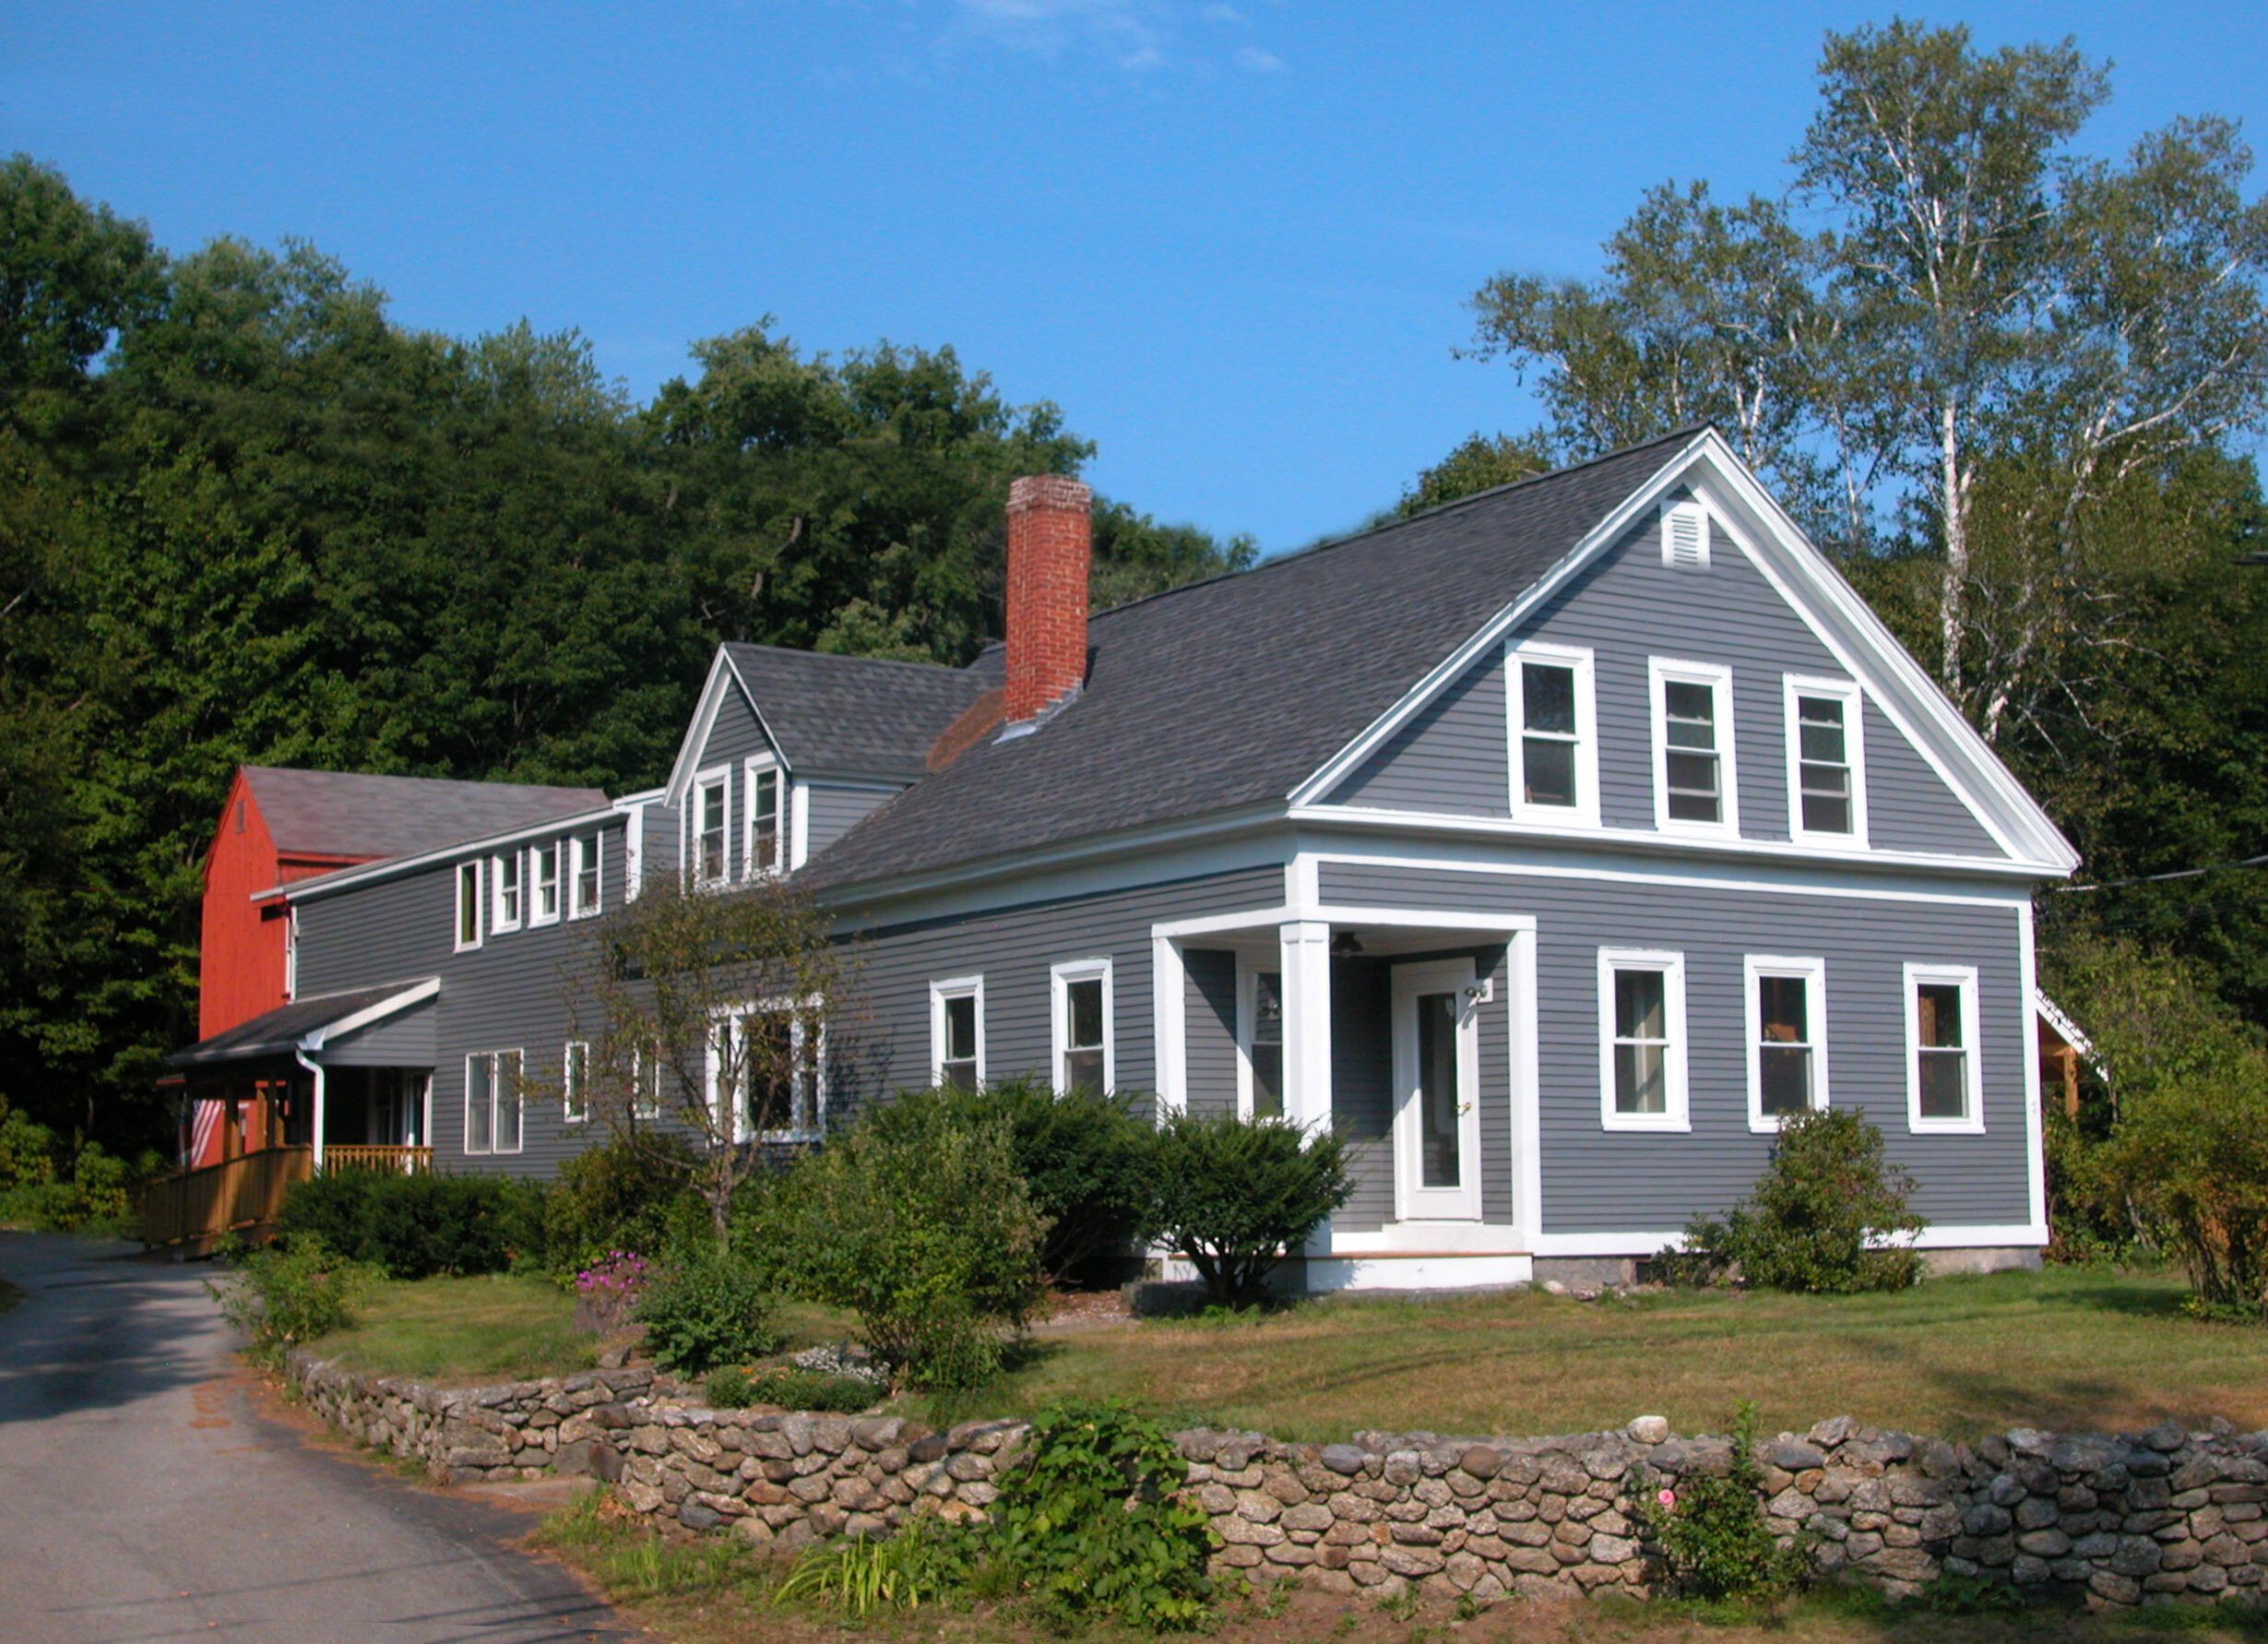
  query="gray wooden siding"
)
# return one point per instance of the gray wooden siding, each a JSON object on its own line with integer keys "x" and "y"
{"x": 832, "y": 810}
{"x": 1014, "y": 949}
{"x": 409, "y": 1039}
{"x": 1596, "y": 1180}
{"x": 509, "y": 993}
{"x": 1209, "y": 1047}
{"x": 1626, "y": 608}
{"x": 736, "y": 733}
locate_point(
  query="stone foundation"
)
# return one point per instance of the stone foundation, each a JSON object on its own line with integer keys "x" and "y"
{"x": 2117, "y": 1521}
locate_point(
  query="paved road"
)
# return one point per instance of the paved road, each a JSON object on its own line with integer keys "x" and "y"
{"x": 143, "y": 1496}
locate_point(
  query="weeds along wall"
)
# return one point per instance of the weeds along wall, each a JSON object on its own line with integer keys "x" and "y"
{"x": 2154, "y": 1517}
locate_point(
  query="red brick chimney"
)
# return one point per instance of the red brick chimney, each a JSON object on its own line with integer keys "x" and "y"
{"x": 1048, "y": 549}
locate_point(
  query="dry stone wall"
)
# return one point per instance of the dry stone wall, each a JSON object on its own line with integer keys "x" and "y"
{"x": 2123, "y": 1519}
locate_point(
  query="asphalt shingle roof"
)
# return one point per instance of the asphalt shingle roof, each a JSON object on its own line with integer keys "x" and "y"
{"x": 1229, "y": 693}
{"x": 853, "y": 714}
{"x": 337, "y": 812}
{"x": 274, "y": 1032}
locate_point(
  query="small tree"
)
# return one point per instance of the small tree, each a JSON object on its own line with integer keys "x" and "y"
{"x": 1233, "y": 1195}
{"x": 1829, "y": 1214}
{"x": 714, "y": 1016}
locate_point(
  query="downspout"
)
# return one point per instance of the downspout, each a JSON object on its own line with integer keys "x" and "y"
{"x": 298, "y": 1055}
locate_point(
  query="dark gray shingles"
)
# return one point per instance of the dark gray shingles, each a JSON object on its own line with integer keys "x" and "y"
{"x": 275, "y": 1032}
{"x": 853, "y": 715}
{"x": 336, "y": 813}
{"x": 1228, "y": 694}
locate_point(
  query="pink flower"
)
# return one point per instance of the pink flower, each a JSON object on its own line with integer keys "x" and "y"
{"x": 1669, "y": 1498}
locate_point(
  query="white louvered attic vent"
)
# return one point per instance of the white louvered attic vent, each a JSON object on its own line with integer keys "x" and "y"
{"x": 1685, "y": 536}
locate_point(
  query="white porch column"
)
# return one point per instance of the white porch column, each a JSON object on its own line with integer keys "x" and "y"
{"x": 1307, "y": 1022}
{"x": 1168, "y": 1024}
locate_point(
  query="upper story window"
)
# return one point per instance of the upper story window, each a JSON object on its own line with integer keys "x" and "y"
{"x": 767, "y": 848}
{"x": 1642, "y": 1040}
{"x": 467, "y": 905}
{"x": 1082, "y": 1021}
{"x": 1554, "y": 742}
{"x": 1260, "y": 1033}
{"x": 1786, "y": 1038}
{"x": 1944, "y": 1088}
{"x": 585, "y": 857}
{"x": 956, "y": 1032}
{"x": 1826, "y": 761}
{"x": 493, "y": 1101}
{"x": 1695, "y": 785}
{"x": 711, "y": 825}
{"x": 543, "y": 868}
{"x": 506, "y": 872}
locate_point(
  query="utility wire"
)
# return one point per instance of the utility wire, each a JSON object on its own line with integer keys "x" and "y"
{"x": 2249, "y": 861}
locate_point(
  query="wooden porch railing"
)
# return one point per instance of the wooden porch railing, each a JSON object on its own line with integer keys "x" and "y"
{"x": 196, "y": 1207}
{"x": 407, "y": 1162}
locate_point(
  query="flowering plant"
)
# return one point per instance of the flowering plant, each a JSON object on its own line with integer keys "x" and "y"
{"x": 620, "y": 1276}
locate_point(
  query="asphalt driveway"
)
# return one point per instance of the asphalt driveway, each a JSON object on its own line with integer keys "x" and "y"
{"x": 144, "y": 1497}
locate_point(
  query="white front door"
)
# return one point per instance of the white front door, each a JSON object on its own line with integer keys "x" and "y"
{"x": 1436, "y": 1092}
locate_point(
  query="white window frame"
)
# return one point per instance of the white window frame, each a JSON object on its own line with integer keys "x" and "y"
{"x": 557, "y": 851}
{"x": 1660, "y": 672}
{"x": 1794, "y": 685}
{"x": 290, "y": 951}
{"x": 498, "y": 920}
{"x": 1584, "y": 813}
{"x": 758, "y": 765}
{"x": 1814, "y": 972}
{"x": 729, "y": 1021}
{"x": 1059, "y": 1037}
{"x": 1247, "y": 969}
{"x": 1971, "y": 1123}
{"x": 719, "y": 776}
{"x": 1677, "y": 1111}
{"x": 496, "y": 1060}
{"x": 575, "y": 1082}
{"x": 954, "y": 987}
{"x": 585, "y": 850}
{"x": 471, "y": 893}
{"x": 1685, "y": 514}
{"x": 646, "y": 1103}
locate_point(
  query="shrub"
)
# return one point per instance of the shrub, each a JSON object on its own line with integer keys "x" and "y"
{"x": 1712, "y": 1531}
{"x": 415, "y": 1226}
{"x": 704, "y": 1311}
{"x": 1823, "y": 1203}
{"x": 290, "y": 1293}
{"x": 790, "y": 1388}
{"x": 47, "y": 1182}
{"x": 1232, "y": 1195}
{"x": 930, "y": 1237}
{"x": 629, "y": 1193}
{"x": 1084, "y": 1157}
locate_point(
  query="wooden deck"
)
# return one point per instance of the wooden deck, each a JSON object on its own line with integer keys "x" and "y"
{"x": 193, "y": 1209}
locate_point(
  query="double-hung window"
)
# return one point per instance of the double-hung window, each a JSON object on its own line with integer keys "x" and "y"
{"x": 586, "y": 858}
{"x": 1642, "y": 1080}
{"x": 508, "y": 872}
{"x": 1826, "y": 762}
{"x": 543, "y": 887}
{"x": 493, "y": 1101}
{"x": 1786, "y": 1010}
{"x": 1083, "y": 1058}
{"x": 1695, "y": 784}
{"x": 467, "y": 905}
{"x": 956, "y": 1032}
{"x": 1262, "y": 1016}
{"x": 766, "y": 1071}
{"x": 1944, "y": 1090}
{"x": 766, "y": 851}
{"x": 575, "y": 1082}
{"x": 1554, "y": 744}
{"x": 711, "y": 825}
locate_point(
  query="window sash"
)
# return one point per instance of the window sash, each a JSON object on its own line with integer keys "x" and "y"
{"x": 1641, "y": 1040}
{"x": 546, "y": 882}
{"x": 712, "y": 819}
{"x": 1822, "y": 765}
{"x": 1785, "y": 1046}
{"x": 467, "y": 904}
{"x": 1943, "y": 1091}
{"x": 507, "y": 872}
{"x": 588, "y": 860}
{"x": 1267, "y": 1044}
{"x": 1550, "y": 735}
{"x": 764, "y": 829}
{"x": 958, "y": 1065}
{"x": 1081, "y": 1026}
{"x": 575, "y": 1082}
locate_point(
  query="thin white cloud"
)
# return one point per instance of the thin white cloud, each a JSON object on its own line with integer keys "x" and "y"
{"x": 1260, "y": 62}
{"x": 1222, "y": 14}
{"x": 1134, "y": 36}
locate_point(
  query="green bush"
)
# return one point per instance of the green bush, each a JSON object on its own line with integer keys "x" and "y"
{"x": 629, "y": 1193}
{"x": 1084, "y": 1157}
{"x": 706, "y": 1310}
{"x": 415, "y": 1226}
{"x": 289, "y": 1293}
{"x": 1819, "y": 1217}
{"x": 47, "y": 1182}
{"x": 930, "y": 1237}
{"x": 1234, "y": 1195}
{"x": 790, "y": 1387}
{"x": 1711, "y": 1530}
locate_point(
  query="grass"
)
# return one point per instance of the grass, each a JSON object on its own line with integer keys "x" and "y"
{"x": 709, "y": 1590}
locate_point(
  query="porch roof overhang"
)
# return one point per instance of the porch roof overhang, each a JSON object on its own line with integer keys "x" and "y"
{"x": 282, "y": 1036}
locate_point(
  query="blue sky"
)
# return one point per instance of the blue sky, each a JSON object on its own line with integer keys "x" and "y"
{"x": 1234, "y": 242}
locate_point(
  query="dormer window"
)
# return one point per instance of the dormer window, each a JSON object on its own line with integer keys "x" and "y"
{"x": 585, "y": 857}
{"x": 506, "y": 872}
{"x": 712, "y": 811}
{"x": 467, "y": 905}
{"x": 544, "y": 885}
{"x": 768, "y": 839}
{"x": 1685, "y": 536}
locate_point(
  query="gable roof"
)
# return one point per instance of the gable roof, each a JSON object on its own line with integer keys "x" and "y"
{"x": 337, "y": 812}
{"x": 852, "y": 715}
{"x": 1228, "y": 694}
{"x": 304, "y": 1024}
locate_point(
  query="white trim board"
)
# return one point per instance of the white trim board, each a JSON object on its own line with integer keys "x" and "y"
{"x": 1937, "y": 1236}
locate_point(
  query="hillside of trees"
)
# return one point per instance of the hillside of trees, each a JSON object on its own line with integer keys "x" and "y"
{"x": 245, "y": 517}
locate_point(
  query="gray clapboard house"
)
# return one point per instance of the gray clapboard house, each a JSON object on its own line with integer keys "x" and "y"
{"x": 1554, "y": 844}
